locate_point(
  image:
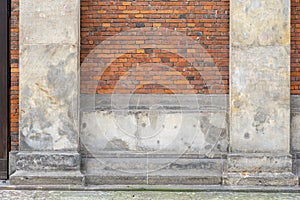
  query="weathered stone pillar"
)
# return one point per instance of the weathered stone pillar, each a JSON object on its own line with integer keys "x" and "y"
{"x": 260, "y": 93}
{"x": 49, "y": 79}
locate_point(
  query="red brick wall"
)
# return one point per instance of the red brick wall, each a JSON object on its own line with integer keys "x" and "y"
{"x": 295, "y": 47}
{"x": 154, "y": 70}
{"x": 14, "y": 67}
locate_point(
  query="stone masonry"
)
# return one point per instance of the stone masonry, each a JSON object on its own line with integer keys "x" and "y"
{"x": 122, "y": 130}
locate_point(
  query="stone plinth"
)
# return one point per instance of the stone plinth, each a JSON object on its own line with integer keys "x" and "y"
{"x": 260, "y": 169}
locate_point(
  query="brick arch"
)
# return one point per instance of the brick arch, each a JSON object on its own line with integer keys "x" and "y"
{"x": 156, "y": 71}
{"x": 165, "y": 44}
{"x": 204, "y": 21}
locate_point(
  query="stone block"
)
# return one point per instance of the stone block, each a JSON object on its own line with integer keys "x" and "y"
{"x": 261, "y": 179}
{"x": 155, "y": 169}
{"x": 260, "y": 99}
{"x": 48, "y": 97}
{"x": 257, "y": 163}
{"x": 12, "y": 167}
{"x": 260, "y": 22}
{"x": 47, "y": 178}
{"x": 260, "y": 170}
{"x": 49, "y": 22}
{"x": 47, "y": 161}
{"x": 45, "y": 168}
{"x": 154, "y": 131}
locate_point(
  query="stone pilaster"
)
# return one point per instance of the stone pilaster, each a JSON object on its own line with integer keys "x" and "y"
{"x": 49, "y": 79}
{"x": 260, "y": 93}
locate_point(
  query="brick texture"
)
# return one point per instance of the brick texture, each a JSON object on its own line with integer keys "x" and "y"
{"x": 132, "y": 58}
{"x": 295, "y": 47}
{"x": 14, "y": 68}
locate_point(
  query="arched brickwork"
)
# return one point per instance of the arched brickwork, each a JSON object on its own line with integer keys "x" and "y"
{"x": 206, "y": 22}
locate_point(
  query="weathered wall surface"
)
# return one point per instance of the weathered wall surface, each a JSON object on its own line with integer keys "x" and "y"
{"x": 48, "y": 75}
{"x": 154, "y": 138}
{"x": 155, "y": 123}
{"x": 153, "y": 58}
{"x": 122, "y": 134}
{"x": 86, "y": 8}
{"x": 260, "y": 60}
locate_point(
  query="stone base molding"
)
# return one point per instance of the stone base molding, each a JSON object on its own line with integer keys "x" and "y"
{"x": 258, "y": 169}
{"x": 45, "y": 168}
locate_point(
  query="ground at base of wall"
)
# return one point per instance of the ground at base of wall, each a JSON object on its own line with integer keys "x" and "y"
{"x": 51, "y": 195}
{"x": 7, "y": 187}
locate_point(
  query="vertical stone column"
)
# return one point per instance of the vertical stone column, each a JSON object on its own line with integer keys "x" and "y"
{"x": 260, "y": 93}
{"x": 49, "y": 93}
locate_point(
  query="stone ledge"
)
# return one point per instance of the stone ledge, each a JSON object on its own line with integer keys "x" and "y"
{"x": 260, "y": 169}
{"x": 261, "y": 179}
{"x": 259, "y": 162}
{"x": 205, "y": 102}
{"x": 44, "y": 161}
{"x": 153, "y": 180}
{"x": 143, "y": 187}
{"x": 153, "y": 171}
{"x": 155, "y": 102}
{"x": 47, "y": 178}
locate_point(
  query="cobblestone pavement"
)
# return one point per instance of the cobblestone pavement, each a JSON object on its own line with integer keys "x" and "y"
{"x": 146, "y": 195}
